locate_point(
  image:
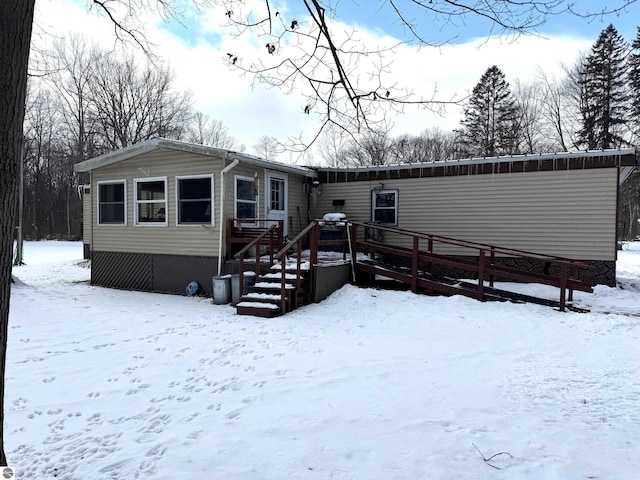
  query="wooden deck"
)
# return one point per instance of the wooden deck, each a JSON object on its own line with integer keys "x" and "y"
{"x": 420, "y": 267}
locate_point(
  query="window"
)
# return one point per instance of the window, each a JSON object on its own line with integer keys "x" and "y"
{"x": 277, "y": 187}
{"x": 384, "y": 206}
{"x": 246, "y": 198}
{"x": 112, "y": 203}
{"x": 151, "y": 201}
{"x": 195, "y": 200}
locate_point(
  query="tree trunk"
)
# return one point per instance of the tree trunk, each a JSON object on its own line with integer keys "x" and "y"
{"x": 16, "y": 20}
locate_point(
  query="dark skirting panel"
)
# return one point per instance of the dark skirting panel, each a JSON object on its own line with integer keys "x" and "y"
{"x": 172, "y": 273}
{"x": 152, "y": 273}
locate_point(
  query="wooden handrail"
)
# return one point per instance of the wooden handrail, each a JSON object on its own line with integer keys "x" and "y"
{"x": 297, "y": 242}
{"x": 296, "y": 239}
{"x": 484, "y": 265}
{"x": 257, "y": 242}
{"x": 468, "y": 244}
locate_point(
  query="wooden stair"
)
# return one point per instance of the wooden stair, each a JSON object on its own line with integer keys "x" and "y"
{"x": 265, "y": 298}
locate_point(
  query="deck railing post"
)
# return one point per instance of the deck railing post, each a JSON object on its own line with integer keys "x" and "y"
{"x": 353, "y": 248}
{"x": 481, "y": 265}
{"x": 492, "y": 259}
{"x": 283, "y": 286}
{"x": 570, "y": 275}
{"x": 240, "y": 276}
{"x": 414, "y": 265}
{"x": 563, "y": 285}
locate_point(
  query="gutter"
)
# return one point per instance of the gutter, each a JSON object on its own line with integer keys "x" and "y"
{"x": 221, "y": 227}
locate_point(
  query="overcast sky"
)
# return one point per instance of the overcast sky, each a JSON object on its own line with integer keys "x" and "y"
{"x": 196, "y": 51}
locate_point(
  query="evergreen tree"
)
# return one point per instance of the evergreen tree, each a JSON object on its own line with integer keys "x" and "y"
{"x": 603, "y": 91}
{"x": 634, "y": 83}
{"x": 490, "y": 123}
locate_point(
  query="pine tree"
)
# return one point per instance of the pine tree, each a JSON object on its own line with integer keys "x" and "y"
{"x": 603, "y": 91}
{"x": 634, "y": 82}
{"x": 490, "y": 123}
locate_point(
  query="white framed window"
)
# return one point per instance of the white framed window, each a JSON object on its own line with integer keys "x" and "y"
{"x": 194, "y": 197}
{"x": 112, "y": 202}
{"x": 246, "y": 198}
{"x": 384, "y": 206}
{"x": 151, "y": 201}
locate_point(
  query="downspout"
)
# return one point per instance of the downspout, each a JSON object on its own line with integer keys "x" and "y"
{"x": 221, "y": 226}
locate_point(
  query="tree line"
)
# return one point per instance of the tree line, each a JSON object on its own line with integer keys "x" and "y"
{"x": 91, "y": 101}
{"x": 594, "y": 105}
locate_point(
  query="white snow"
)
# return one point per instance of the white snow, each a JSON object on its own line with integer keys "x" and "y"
{"x": 368, "y": 384}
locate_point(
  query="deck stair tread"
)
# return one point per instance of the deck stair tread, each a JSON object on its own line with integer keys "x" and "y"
{"x": 278, "y": 276}
{"x": 254, "y": 296}
{"x": 273, "y": 286}
{"x": 258, "y": 305}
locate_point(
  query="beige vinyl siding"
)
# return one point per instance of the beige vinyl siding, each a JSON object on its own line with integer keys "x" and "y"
{"x": 179, "y": 239}
{"x": 296, "y": 194}
{"x": 570, "y": 214}
{"x": 298, "y": 204}
{"x": 170, "y": 239}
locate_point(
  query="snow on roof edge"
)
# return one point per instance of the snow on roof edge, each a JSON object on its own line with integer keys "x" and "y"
{"x": 486, "y": 160}
{"x": 145, "y": 146}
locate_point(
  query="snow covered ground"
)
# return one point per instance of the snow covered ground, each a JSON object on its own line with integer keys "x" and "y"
{"x": 108, "y": 384}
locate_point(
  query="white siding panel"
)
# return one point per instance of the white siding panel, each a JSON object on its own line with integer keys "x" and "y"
{"x": 570, "y": 214}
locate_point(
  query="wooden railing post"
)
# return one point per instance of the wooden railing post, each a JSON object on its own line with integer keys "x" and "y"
{"x": 283, "y": 285}
{"x": 492, "y": 259}
{"x": 481, "y": 265}
{"x": 353, "y": 248}
{"x": 414, "y": 265}
{"x": 563, "y": 285}
{"x": 240, "y": 276}
{"x": 570, "y": 275}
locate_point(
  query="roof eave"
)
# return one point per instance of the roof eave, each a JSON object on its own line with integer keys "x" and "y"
{"x": 157, "y": 143}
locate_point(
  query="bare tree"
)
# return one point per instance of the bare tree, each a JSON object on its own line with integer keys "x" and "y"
{"x": 535, "y": 135}
{"x": 332, "y": 145}
{"x": 267, "y": 147}
{"x": 554, "y": 109}
{"x": 207, "y": 131}
{"x": 131, "y": 105}
{"x": 71, "y": 65}
{"x": 432, "y": 145}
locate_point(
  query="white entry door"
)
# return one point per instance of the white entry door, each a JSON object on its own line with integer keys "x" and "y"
{"x": 276, "y": 197}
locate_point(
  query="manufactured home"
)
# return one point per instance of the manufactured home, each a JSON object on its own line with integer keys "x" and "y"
{"x": 163, "y": 213}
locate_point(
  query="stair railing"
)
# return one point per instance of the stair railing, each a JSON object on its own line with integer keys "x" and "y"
{"x": 273, "y": 232}
{"x": 296, "y": 245}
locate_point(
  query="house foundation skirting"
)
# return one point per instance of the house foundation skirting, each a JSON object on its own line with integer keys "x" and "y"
{"x": 152, "y": 272}
{"x": 599, "y": 272}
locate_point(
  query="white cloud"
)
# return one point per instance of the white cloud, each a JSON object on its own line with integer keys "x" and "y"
{"x": 249, "y": 111}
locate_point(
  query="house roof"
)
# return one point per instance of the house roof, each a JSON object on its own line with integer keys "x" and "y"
{"x": 163, "y": 143}
{"x": 624, "y": 159}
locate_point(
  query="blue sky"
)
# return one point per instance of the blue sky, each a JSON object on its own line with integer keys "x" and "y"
{"x": 196, "y": 51}
{"x": 379, "y": 15}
